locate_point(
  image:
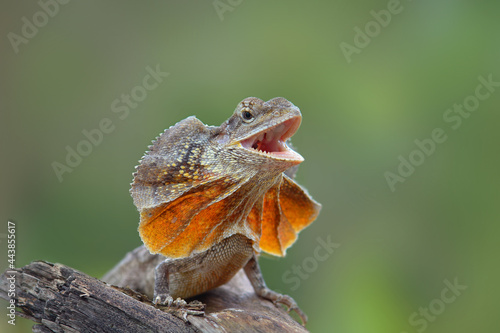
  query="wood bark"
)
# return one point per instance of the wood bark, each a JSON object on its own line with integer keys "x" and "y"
{"x": 61, "y": 299}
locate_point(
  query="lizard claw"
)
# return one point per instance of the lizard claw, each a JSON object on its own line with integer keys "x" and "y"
{"x": 287, "y": 301}
{"x": 167, "y": 300}
{"x": 179, "y": 307}
{"x": 292, "y": 305}
{"x": 164, "y": 299}
{"x": 180, "y": 303}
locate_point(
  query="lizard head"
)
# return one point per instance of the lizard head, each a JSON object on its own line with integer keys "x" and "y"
{"x": 263, "y": 128}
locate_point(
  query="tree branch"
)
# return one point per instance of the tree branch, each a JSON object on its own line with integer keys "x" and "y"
{"x": 62, "y": 299}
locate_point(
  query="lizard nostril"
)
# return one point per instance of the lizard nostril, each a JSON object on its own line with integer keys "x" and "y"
{"x": 276, "y": 113}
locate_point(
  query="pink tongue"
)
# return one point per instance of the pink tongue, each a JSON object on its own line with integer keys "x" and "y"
{"x": 269, "y": 141}
{"x": 269, "y": 145}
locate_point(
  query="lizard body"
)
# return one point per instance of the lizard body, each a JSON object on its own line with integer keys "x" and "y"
{"x": 212, "y": 198}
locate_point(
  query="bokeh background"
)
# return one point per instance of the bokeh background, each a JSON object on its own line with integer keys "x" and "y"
{"x": 396, "y": 248}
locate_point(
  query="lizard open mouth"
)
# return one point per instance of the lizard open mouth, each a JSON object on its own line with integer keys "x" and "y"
{"x": 272, "y": 140}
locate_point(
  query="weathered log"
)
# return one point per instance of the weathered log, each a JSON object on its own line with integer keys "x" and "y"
{"x": 61, "y": 299}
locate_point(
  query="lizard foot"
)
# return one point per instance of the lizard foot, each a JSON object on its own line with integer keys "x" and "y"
{"x": 286, "y": 300}
{"x": 166, "y": 299}
{"x": 179, "y": 307}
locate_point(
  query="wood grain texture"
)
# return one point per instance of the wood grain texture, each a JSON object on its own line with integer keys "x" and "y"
{"x": 61, "y": 299}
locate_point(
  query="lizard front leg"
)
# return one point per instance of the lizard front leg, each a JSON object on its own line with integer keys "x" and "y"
{"x": 254, "y": 274}
{"x": 191, "y": 276}
{"x": 162, "y": 292}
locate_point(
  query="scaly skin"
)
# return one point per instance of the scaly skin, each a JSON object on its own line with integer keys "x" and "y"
{"x": 212, "y": 198}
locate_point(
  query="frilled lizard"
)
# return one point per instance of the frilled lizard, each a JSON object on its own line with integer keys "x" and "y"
{"x": 212, "y": 198}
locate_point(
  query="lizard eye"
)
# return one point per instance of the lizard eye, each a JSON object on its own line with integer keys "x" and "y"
{"x": 247, "y": 116}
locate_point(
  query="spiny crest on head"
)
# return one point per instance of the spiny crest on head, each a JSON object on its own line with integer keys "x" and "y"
{"x": 250, "y": 103}
{"x": 279, "y": 101}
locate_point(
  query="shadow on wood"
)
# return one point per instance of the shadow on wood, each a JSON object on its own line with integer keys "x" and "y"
{"x": 62, "y": 299}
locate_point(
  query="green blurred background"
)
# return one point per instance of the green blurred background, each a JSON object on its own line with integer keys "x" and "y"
{"x": 396, "y": 247}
